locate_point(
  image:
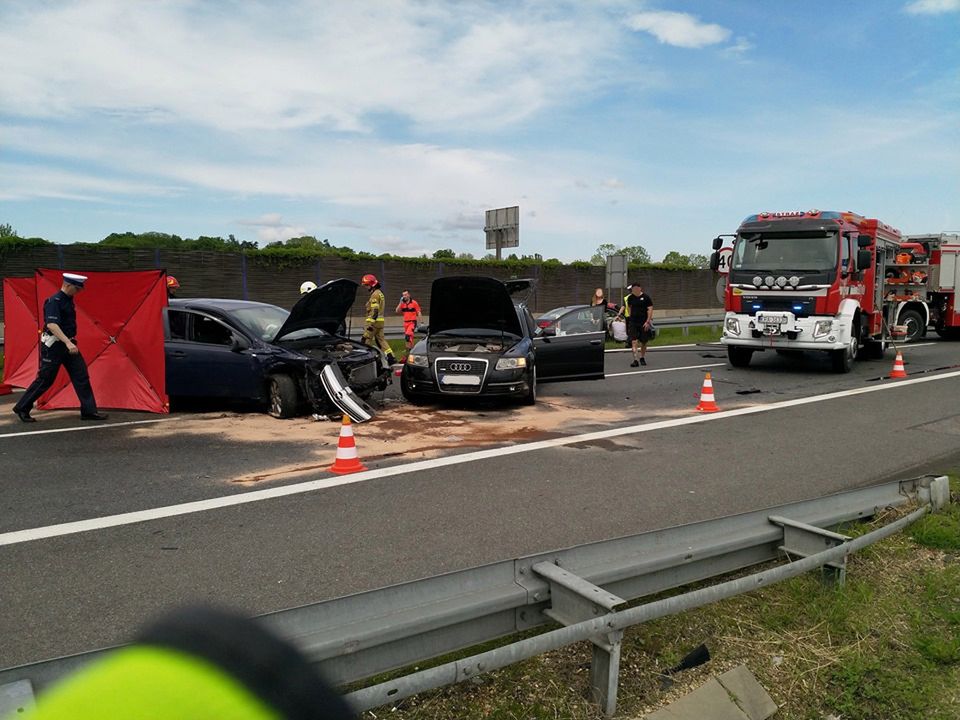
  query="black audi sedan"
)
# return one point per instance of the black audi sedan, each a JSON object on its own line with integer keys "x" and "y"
{"x": 253, "y": 351}
{"x": 483, "y": 342}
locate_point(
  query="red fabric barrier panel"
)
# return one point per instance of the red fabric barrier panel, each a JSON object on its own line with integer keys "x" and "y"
{"x": 21, "y": 357}
{"x": 119, "y": 333}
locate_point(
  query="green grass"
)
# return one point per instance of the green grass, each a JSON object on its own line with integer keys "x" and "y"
{"x": 675, "y": 336}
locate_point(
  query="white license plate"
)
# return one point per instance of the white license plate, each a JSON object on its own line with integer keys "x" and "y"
{"x": 460, "y": 379}
{"x": 771, "y": 319}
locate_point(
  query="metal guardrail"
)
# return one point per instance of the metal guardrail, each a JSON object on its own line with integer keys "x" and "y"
{"x": 356, "y": 637}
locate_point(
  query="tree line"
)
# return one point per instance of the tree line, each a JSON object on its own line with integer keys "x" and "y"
{"x": 308, "y": 246}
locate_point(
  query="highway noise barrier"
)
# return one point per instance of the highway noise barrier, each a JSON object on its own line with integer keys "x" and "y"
{"x": 347, "y": 460}
{"x": 898, "y": 370}
{"x": 707, "y": 403}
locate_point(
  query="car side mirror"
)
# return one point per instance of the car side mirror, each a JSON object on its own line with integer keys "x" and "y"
{"x": 425, "y": 329}
{"x": 238, "y": 343}
{"x": 717, "y": 243}
{"x": 715, "y": 259}
{"x": 864, "y": 241}
{"x": 548, "y": 331}
{"x": 864, "y": 258}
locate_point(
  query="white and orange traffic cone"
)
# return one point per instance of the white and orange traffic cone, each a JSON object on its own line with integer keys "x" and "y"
{"x": 898, "y": 370}
{"x": 707, "y": 403}
{"x": 347, "y": 460}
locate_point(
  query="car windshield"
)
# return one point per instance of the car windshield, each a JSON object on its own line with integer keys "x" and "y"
{"x": 264, "y": 321}
{"x": 802, "y": 252}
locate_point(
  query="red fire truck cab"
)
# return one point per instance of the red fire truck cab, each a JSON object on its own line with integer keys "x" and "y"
{"x": 834, "y": 282}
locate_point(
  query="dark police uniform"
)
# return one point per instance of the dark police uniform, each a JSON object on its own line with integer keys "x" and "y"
{"x": 59, "y": 309}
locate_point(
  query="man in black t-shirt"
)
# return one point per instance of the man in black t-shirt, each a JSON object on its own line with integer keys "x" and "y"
{"x": 639, "y": 323}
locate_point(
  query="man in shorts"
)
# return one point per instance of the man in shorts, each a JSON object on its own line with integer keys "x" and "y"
{"x": 639, "y": 323}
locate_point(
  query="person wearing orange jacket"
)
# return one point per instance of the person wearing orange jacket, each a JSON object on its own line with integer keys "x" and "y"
{"x": 410, "y": 310}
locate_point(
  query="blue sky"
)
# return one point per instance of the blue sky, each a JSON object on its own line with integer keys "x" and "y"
{"x": 391, "y": 125}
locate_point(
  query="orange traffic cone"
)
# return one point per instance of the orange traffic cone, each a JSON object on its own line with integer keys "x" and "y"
{"x": 707, "y": 403}
{"x": 5, "y": 389}
{"x": 347, "y": 460}
{"x": 898, "y": 370}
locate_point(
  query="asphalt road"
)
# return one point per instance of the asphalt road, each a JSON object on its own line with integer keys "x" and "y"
{"x": 412, "y": 516}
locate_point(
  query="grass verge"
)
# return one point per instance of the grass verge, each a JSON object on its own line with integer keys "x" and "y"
{"x": 885, "y": 645}
{"x": 675, "y": 336}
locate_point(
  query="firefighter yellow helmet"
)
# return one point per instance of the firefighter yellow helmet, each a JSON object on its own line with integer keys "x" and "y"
{"x": 308, "y": 286}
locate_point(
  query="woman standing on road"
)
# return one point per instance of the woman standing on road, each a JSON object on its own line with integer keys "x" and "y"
{"x": 598, "y": 298}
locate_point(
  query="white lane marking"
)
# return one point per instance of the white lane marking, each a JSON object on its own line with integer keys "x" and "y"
{"x": 660, "y": 370}
{"x": 71, "y": 528}
{"x": 84, "y": 427}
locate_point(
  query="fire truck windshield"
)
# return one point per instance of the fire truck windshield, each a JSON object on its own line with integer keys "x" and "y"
{"x": 797, "y": 251}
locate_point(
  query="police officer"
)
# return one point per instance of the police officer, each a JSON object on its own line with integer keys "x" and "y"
{"x": 58, "y": 347}
{"x": 376, "y": 307}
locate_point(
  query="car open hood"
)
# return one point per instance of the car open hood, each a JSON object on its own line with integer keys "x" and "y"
{"x": 325, "y": 308}
{"x": 520, "y": 289}
{"x": 472, "y": 302}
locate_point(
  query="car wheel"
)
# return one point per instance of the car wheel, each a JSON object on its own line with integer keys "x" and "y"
{"x": 409, "y": 395}
{"x": 531, "y": 397}
{"x": 874, "y": 349}
{"x": 283, "y": 397}
{"x": 914, "y": 322}
{"x": 842, "y": 360}
{"x": 739, "y": 356}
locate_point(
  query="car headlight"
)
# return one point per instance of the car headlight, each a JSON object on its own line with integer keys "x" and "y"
{"x": 822, "y": 327}
{"x": 511, "y": 363}
{"x": 418, "y": 360}
{"x": 733, "y": 326}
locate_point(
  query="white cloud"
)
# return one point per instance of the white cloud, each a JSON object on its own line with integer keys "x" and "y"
{"x": 739, "y": 48}
{"x": 680, "y": 29}
{"x": 396, "y": 245}
{"x": 305, "y": 63}
{"x": 612, "y": 184}
{"x": 272, "y": 228}
{"x": 932, "y": 7}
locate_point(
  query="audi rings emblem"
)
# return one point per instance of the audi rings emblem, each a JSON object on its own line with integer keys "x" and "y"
{"x": 459, "y": 367}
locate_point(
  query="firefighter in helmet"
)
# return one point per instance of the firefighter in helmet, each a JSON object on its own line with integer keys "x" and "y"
{"x": 373, "y": 327}
{"x": 172, "y": 286}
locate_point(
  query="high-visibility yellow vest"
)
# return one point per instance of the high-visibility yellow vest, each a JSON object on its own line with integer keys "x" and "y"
{"x": 626, "y": 305}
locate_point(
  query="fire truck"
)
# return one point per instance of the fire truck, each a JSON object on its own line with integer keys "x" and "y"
{"x": 834, "y": 282}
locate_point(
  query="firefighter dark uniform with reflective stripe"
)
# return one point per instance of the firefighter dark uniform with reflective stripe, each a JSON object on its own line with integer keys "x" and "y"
{"x": 58, "y": 347}
{"x": 373, "y": 327}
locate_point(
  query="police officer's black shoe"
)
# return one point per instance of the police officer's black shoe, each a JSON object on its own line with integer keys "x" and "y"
{"x": 94, "y": 416}
{"x": 391, "y": 360}
{"x": 24, "y": 415}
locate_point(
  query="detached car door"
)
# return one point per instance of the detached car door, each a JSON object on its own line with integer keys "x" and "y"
{"x": 201, "y": 362}
{"x": 572, "y": 347}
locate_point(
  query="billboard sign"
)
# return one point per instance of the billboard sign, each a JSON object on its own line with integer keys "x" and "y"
{"x": 502, "y": 227}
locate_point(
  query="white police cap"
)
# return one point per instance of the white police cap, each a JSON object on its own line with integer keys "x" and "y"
{"x": 74, "y": 279}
